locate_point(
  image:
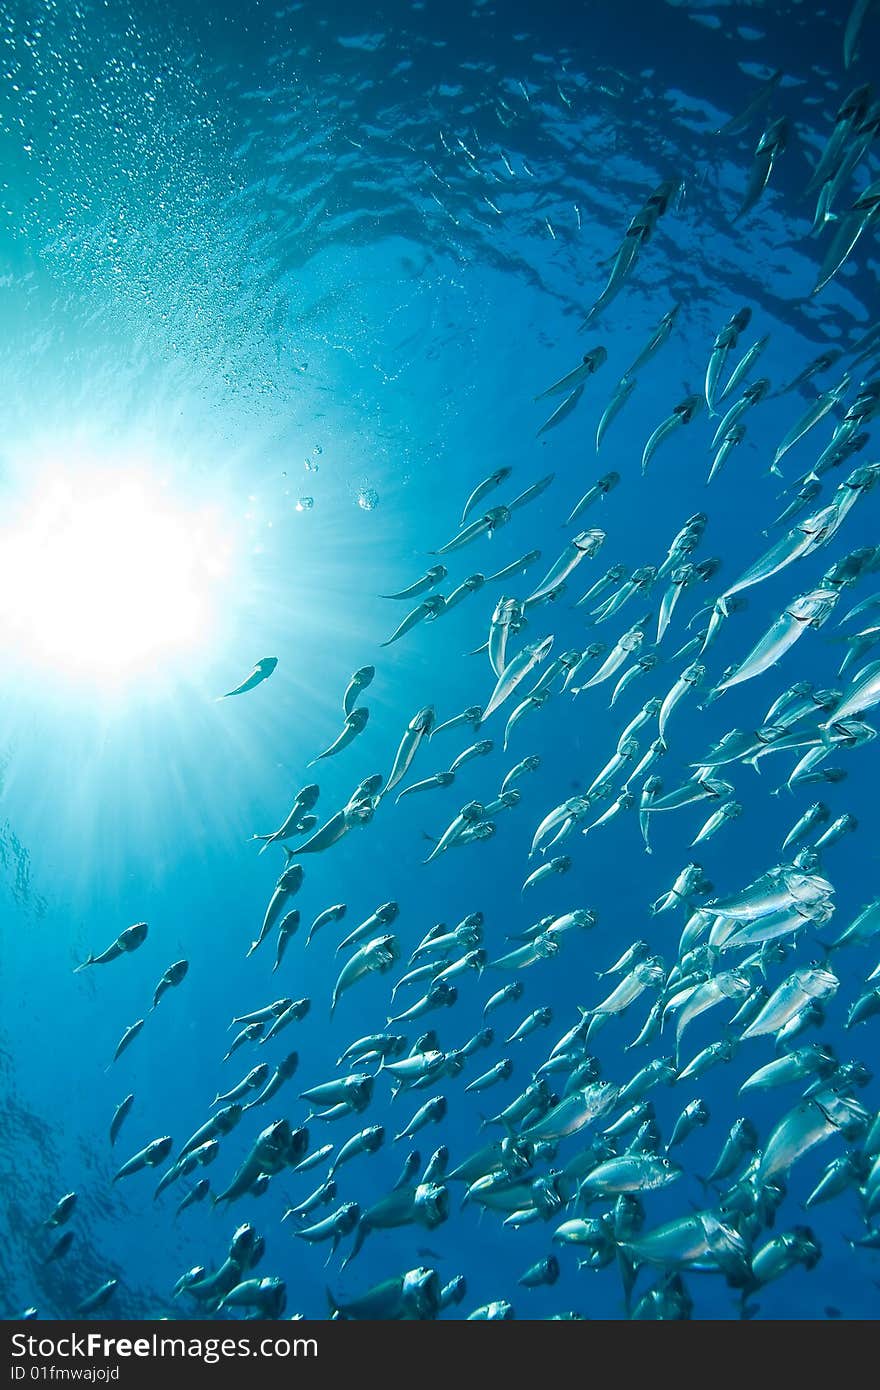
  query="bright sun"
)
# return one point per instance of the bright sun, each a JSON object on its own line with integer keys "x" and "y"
{"x": 104, "y": 574}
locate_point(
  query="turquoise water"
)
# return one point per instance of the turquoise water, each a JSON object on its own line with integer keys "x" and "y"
{"x": 310, "y": 253}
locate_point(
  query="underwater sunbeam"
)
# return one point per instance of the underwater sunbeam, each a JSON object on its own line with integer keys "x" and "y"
{"x": 105, "y": 573}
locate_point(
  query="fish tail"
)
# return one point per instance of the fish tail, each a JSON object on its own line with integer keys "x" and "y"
{"x": 89, "y": 960}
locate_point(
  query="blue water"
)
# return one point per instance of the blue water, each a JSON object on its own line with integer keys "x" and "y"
{"x": 236, "y": 242}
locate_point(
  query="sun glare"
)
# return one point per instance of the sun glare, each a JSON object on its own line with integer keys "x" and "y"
{"x": 106, "y": 574}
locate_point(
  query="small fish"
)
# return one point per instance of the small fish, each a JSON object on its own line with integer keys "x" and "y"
{"x": 97, "y": 1299}
{"x": 355, "y": 723}
{"x": 126, "y": 1040}
{"x": 428, "y": 610}
{"x": 767, "y": 151}
{"x": 439, "y": 779}
{"x": 658, "y": 338}
{"x": 287, "y": 928}
{"x": 724, "y": 344}
{"x": 516, "y": 671}
{"x": 261, "y": 672}
{"x": 197, "y": 1193}
{"x": 682, "y": 414}
{"x": 363, "y": 677}
{"x": 418, "y": 729}
{"x": 863, "y": 213}
{"x": 329, "y": 914}
{"x": 149, "y": 1157}
{"x": 600, "y": 489}
{"x": 173, "y": 976}
{"x": 482, "y": 490}
{"x": 125, "y": 943}
{"x": 61, "y": 1212}
{"x": 590, "y": 363}
{"x": 619, "y": 397}
{"x": 855, "y": 20}
{"x": 519, "y": 566}
{"x": 762, "y": 96}
{"x": 429, "y": 580}
{"x": 562, "y": 411}
{"x": 119, "y": 1115}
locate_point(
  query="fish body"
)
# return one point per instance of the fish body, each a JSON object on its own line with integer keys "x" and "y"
{"x": 119, "y": 1115}
{"x": 125, "y": 943}
{"x": 172, "y": 977}
{"x": 261, "y": 672}
{"x": 767, "y": 151}
{"x": 417, "y": 730}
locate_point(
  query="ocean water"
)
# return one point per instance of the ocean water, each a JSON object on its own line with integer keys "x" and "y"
{"x": 263, "y": 254}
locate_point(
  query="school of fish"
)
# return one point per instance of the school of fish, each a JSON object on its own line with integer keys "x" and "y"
{"x": 573, "y": 1144}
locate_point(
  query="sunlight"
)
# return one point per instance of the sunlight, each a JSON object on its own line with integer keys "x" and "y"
{"x": 105, "y": 574}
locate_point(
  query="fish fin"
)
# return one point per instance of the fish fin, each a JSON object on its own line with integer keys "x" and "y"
{"x": 90, "y": 960}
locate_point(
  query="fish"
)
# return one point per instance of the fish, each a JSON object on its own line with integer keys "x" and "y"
{"x": 482, "y": 490}
{"x": 119, "y": 1115}
{"x": 365, "y": 675}
{"x": 515, "y": 671}
{"x": 414, "y": 1296}
{"x": 621, "y": 394}
{"x": 172, "y": 977}
{"x": 744, "y": 367}
{"x": 417, "y": 730}
{"x": 126, "y": 1040}
{"x": 724, "y": 344}
{"x": 660, "y": 335}
{"x": 429, "y": 580}
{"x": 767, "y": 151}
{"x": 862, "y": 214}
{"x": 531, "y": 557}
{"x": 600, "y": 489}
{"x": 61, "y": 1212}
{"x": 427, "y": 611}
{"x": 585, "y": 544}
{"x": 261, "y": 672}
{"x": 856, "y": 18}
{"x": 375, "y": 957}
{"x": 126, "y": 942}
{"x": 682, "y": 414}
{"x": 287, "y": 886}
{"x": 738, "y": 123}
{"x": 293, "y": 823}
{"x": 589, "y": 363}
{"x": 150, "y": 1156}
